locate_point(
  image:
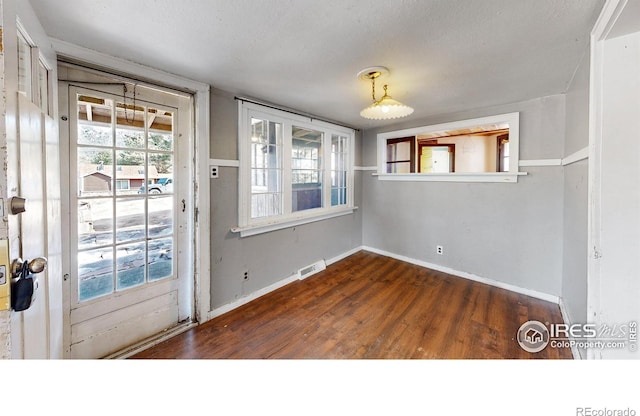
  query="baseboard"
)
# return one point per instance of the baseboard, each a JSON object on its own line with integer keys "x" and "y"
{"x": 513, "y": 288}
{"x": 252, "y": 296}
{"x": 343, "y": 255}
{"x": 566, "y": 317}
{"x": 502, "y": 285}
{"x": 277, "y": 285}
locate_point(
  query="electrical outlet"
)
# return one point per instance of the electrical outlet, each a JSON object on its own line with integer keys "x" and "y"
{"x": 246, "y": 275}
{"x": 439, "y": 250}
{"x": 213, "y": 171}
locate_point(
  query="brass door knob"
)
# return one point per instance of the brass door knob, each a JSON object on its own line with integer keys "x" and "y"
{"x": 35, "y": 266}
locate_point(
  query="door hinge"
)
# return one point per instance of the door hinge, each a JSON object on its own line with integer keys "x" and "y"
{"x": 196, "y": 213}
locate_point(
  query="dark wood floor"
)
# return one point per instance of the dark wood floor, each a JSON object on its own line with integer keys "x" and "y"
{"x": 370, "y": 306}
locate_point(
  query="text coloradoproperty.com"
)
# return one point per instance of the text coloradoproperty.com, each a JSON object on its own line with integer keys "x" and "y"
{"x": 601, "y": 345}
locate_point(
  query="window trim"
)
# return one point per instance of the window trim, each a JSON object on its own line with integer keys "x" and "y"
{"x": 36, "y": 58}
{"x": 509, "y": 177}
{"x": 248, "y": 226}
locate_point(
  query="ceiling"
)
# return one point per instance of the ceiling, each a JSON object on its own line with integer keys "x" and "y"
{"x": 443, "y": 56}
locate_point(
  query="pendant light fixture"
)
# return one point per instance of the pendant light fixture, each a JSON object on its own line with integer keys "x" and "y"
{"x": 385, "y": 108}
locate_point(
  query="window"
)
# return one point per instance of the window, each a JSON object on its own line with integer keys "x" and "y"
{"x": 122, "y": 184}
{"x": 306, "y": 169}
{"x": 476, "y": 150}
{"x": 24, "y": 66}
{"x": 339, "y": 169}
{"x": 266, "y": 168}
{"x": 401, "y": 155}
{"x": 293, "y": 170}
{"x": 33, "y": 74}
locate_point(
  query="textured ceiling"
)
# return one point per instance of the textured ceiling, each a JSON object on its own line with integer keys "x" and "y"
{"x": 444, "y": 56}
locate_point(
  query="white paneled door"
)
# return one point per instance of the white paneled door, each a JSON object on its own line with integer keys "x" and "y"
{"x": 33, "y": 173}
{"x": 128, "y": 190}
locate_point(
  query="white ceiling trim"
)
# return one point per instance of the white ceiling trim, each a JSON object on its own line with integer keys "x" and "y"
{"x": 102, "y": 60}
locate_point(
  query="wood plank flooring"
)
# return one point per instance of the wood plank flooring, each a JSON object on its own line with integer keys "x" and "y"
{"x": 372, "y": 307}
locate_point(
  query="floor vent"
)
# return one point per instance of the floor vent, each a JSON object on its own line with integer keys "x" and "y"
{"x": 312, "y": 269}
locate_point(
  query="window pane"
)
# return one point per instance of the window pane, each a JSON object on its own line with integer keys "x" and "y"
{"x": 95, "y": 273}
{"x": 160, "y": 125}
{"x": 24, "y": 67}
{"x": 129, "y": 170}
{"x": 266, "y": 205}
{"x": 160, "y": 216}
{"x": 338, "y": 196}
{"x": 129, "y": 137}
{"x": 95, "y": 135}
{"x": 398, "y": 151}
{"x": 95, "y": 171}
{"x": 94, "y": 122}
{"x": 160, "y": 173}
{"x": 265, "y": 181}
{"x": 130, "y": 265}
{"x": 306, "y": 169}
{"x": 130, "y": 219}
{"x": 43, "y": 86}
{"x": 266, "y": 168}
{"x": 160, "y": 258}
{"x": 338, "y": 170}
{"x": 95, "y": 223}
{"x": 130, "y": 125}
{"x": 122, "y": 184}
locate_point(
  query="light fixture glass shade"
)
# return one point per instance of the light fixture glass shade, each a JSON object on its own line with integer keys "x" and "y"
{"x": 386, "y": 108}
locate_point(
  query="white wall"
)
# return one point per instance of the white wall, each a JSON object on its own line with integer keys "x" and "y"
{"x": 619, "y": 284}
{"x": 474, "y": 153}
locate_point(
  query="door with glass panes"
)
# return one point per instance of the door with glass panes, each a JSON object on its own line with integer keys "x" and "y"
{"x": 128, "y": 191}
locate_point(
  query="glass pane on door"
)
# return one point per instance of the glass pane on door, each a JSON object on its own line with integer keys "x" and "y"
{"x": 24, "y": 67}
{"x": 125, "y": 205}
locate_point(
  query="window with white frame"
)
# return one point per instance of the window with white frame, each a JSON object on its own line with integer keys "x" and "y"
{"x": 293, "y": 169}
{"x": 33, "y": 74}
{"x": 122, "y": 184}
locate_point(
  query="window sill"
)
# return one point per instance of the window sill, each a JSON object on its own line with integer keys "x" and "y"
{"x": 509, "y": 177}
{"x": 256, "y": 229}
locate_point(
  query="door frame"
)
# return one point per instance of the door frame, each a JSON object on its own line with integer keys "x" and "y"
{"x": 199, "y": 223}
{"x": 452, "y": 154}
{"x": 611, "y": 14}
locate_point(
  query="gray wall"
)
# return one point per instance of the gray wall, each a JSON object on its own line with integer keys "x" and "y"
{"x": 272, "y": 256}
{"x": 503, "y": 231}
{"x": 576, "y": 187}
{"x": 531, "y": 234}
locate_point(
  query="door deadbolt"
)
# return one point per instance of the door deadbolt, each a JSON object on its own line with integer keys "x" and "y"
{"x": 17, "y": 205}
